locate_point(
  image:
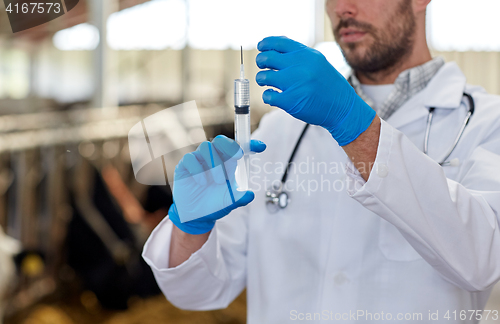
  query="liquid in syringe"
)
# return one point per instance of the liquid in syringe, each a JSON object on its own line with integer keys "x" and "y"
{"x": 242, "y": 126}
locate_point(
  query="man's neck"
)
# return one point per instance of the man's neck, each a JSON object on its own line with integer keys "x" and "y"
{"x": 390, "y": 75}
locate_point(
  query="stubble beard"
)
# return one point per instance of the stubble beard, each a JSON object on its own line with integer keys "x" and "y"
{"x": 389, "y": 47}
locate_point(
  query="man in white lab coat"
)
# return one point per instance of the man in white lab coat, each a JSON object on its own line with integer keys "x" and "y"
{"x": 395, "y": 235}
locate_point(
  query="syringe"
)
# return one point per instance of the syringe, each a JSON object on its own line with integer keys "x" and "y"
{"x": 242, "y": 126}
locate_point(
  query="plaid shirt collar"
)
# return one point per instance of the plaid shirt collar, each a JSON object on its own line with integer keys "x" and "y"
{"x": 408, "y": 84}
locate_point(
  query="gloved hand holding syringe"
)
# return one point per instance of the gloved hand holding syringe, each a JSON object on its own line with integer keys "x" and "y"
{"x": 204, "y": 180}
{"x": 242, "y": 126}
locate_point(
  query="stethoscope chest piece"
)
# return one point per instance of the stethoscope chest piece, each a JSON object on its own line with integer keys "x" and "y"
{"x": 276, "y": 199}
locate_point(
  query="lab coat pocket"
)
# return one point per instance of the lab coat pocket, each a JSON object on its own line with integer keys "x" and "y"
{"x": 393, "y": 245}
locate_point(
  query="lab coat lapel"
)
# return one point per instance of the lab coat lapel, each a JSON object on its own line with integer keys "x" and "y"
{"x": 445, "y": 90}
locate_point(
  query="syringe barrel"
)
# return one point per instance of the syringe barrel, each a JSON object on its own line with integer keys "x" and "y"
{"x": 242, "y": 113}
{"x": 241, "y": 95}
{"x": 242, "y": 136}
{"x": 242, "y": 131}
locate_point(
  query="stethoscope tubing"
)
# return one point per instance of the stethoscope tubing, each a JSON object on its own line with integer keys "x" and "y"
{"x": 273, "y": 197}
{"x": 290, "y": 160}
{"x": 460, "y": 133}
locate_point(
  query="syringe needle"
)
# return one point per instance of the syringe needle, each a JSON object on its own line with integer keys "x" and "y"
{"x": 242, "y": 68}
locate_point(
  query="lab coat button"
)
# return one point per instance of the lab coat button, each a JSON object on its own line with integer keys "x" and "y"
{"x": 340, "y": 279}
{"x": 382, "y": 170}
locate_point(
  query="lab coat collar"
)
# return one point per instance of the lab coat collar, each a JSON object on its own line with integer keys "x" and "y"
{"x": 445, "y": 90}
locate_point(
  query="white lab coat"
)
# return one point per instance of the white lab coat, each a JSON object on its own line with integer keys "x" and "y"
{"x": 416, "y": 238}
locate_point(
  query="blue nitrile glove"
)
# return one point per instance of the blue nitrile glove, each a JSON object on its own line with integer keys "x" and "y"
{"x": 201, "y": 190}
{"x": 312, "y": 90}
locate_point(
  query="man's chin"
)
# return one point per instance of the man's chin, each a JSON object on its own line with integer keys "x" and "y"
{"x": 356, "y": 48}
{"x": 354, "y": 52}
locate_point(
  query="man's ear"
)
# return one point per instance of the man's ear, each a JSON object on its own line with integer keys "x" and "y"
{"x": 420, "y": 5}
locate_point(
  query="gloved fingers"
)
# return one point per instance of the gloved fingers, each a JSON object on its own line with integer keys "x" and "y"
{"x": 180, "y": 171}
{"x": 227, "y": 148}
{"x": 279, "y": 44}
{"x": 208, "y": 156}
{"x": 257, "y": 146}
{"x": 231, "y": 171}
{"x": 218, "y": 172}
{"x": 202, "y": 154}
{"x": 247, "y": 198}
{"x": 230, "y": 152}
{"x": 194, "y": 168}
{"x": 273, "y": 60}
{"x": 194, "y": 227}
{"x": 243, "y": 199}
{"x": 273, "y": 98}
{"x": 279, "y": 79}
{"x": 206, "y": 223}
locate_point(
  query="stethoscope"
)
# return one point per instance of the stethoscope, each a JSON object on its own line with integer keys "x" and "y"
{"x": 453, "y": 162}
{"x": 277, "y": 198}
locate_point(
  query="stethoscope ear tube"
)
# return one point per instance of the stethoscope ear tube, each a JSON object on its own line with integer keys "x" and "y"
{"x": 460, "y": 133}
{"x": 428, "y": 129}
{"x": 277, "y": 198}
